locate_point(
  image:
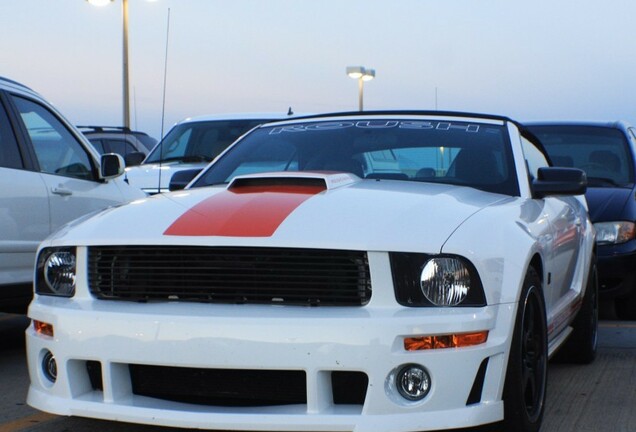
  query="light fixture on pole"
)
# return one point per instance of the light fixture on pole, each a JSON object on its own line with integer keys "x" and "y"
{"x": 125, "y": 78}
{"x": 362, "y": 74}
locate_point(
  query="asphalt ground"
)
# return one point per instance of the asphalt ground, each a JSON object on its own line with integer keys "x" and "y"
{"x": 600, "y": 397}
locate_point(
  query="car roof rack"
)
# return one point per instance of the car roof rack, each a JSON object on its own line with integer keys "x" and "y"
{"x": 105, "y": 128}
{"x": 124, "y": 129}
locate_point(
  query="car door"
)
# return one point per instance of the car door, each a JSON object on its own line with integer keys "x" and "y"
{"x": 24, "y": 209}
{"x": 67, "y": 167}
{"x": 563, "y": 214}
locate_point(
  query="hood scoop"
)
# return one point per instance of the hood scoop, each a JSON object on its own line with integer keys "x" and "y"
{"x": 314, "y": 180}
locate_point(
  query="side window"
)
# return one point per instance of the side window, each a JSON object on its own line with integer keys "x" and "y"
{"x": 9, "y": 152}
{"x": 535, "y": 159}
{"x": 98, "y": 144}
{"x": 57, "y": 150}
{"x": 119, "y": 146}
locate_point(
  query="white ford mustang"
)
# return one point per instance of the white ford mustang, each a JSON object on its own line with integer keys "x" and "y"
{"x": 381, "y": 271}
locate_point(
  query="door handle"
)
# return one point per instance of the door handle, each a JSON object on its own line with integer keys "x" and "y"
{"x": 61, "y": 191}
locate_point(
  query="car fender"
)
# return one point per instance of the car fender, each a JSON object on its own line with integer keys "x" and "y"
{"x": 501, "y": 241}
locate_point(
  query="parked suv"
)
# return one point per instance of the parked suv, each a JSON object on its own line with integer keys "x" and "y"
{"x": 49, "y": 175}
{"x": 190, "y": 145}
{"x": 132, "y": 145}
{"x": 606, "y": 151}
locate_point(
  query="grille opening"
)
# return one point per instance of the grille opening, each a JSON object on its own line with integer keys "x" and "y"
{"x": 478, "y": 385}
{"x": 307, "y": 277}
{"x": 349, "y": 388}
{"x": 94, "y": 370}
{"x": 220, "y": 387}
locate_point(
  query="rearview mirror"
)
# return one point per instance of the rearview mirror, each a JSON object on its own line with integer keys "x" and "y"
{"x": 559, "y": 181}
{"x": 180, "y": 179}
{"x": 112, "y": 165}
{"x": 134, "y": 158}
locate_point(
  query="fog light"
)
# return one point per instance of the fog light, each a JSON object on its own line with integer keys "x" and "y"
{"x": 49, "y": 366}
{"x": 413, "y": 382}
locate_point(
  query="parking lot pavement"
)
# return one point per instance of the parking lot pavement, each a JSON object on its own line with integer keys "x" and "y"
{"x": 600, "y": 397}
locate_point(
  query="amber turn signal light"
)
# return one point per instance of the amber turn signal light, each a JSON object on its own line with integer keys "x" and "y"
{"x": 460, "y": 340}
{"x": 43, "y": 328}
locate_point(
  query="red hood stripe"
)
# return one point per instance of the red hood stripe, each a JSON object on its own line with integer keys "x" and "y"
{"x": 248, "y": 211}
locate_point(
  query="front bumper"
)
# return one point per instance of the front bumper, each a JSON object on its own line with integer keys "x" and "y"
{"x": 616, "y": 275}
{"x": 317, "y": 341}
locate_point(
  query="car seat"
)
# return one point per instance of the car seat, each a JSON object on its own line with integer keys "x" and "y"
{"x": 476, "y": 166}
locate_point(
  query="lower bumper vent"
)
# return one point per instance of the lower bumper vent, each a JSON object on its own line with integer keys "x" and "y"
{"x": 220, "y": 387}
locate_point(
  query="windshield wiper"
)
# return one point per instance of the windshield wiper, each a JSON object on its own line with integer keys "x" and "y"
{"x": 186, "y": 159}
{"x": 195, "y": 158}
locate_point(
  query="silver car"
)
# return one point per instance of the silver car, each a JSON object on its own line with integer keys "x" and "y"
{"x": 49, "y": 175}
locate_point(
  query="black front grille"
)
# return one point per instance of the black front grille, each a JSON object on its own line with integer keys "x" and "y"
{"x": 230, "y": 275}
{"x": 220, "y": 387}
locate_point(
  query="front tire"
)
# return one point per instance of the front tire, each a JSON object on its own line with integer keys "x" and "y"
{"x": 527, "y": 373}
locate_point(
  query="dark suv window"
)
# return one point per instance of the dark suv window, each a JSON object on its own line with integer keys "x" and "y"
{"x": 602, "y": 152}
{"x": 113, "y": 145}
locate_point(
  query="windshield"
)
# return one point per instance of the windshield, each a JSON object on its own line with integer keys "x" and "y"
{"x": 199, "y": 141}
{"x": 602, "y": 152}
{"x": 456, "y": 152}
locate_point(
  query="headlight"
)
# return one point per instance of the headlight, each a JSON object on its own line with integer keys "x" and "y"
{"x": 614, "y": 232}
{"x": 55, "y": 273}
{"x": 435, "y": 280}
{"x": 445, "y": 281}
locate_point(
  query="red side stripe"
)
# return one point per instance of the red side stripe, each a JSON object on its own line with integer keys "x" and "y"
{"x": 248, "y": 211}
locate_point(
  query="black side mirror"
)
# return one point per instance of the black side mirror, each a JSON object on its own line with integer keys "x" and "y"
{"x": 559, "y": 181}
{"x": 134, "y": 158}
{"x": 180, "y": 179}
{"x": 111, "y": 166}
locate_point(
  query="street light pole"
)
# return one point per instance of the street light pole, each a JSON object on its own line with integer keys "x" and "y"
{"x": 361, "y": 74}
{"x": 360, "y": 93}
{"x": 126, "y": 77}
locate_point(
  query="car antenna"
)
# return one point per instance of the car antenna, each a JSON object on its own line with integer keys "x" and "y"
{"x": 290, "y": 111}
{"x": 163, "y": 102}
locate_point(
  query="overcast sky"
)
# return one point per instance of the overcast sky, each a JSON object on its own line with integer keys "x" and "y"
{"x": 530, "y": 60}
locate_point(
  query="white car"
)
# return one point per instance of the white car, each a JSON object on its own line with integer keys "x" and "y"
{"x": 389, "y": 271}
{"x": 190, "y": 145}
{"x": 49, "y": 175}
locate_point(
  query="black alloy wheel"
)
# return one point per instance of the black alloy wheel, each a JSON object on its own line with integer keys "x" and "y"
{"x": 526, "y": 376}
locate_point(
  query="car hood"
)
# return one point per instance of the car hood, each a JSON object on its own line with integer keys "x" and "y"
{"x": 347, "y": 214}
{"x": 146, "y": 176}
{"x": 608, "y": 204}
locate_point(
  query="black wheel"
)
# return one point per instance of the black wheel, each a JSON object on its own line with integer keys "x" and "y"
{"x": 582, "y": 343}
{"x": 527, "y": 373}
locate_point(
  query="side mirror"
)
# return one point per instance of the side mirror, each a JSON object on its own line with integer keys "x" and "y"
{"x": 559, "y": 181}
{"x": 112, "y": 165}
{"x": 180, "y": 179}
{"x": 134, "y": 158}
